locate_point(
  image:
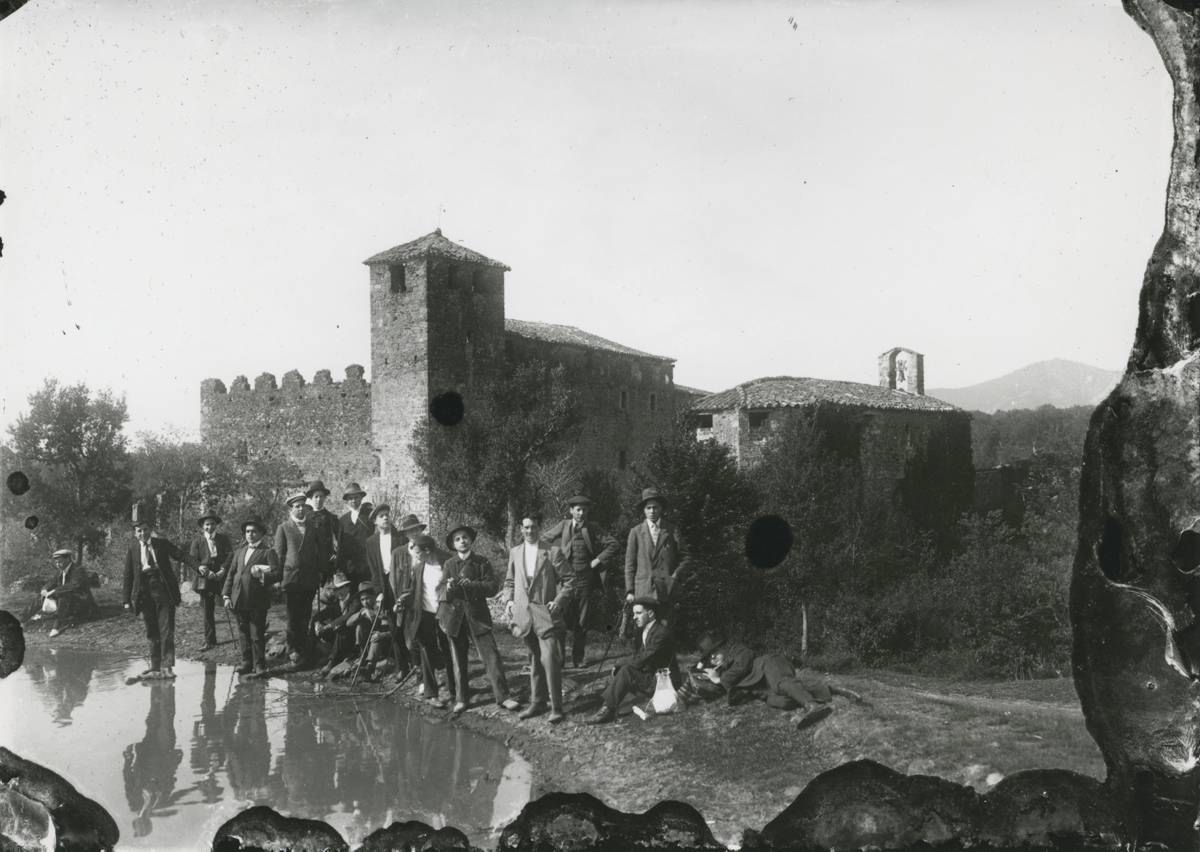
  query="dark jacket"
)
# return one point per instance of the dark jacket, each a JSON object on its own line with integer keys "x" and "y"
{"x": 649, "y": 567}
{"x": 245, "y": 591}
{"x": 329, "y": 610}
{"x": 75, "y": 582}
{"x": 389, "y": 583}
{"x": 325, "y": 524}
{"x": 599, "y": 545}
{"x": 301, "y": 554}
{"x": 219, "y": 566}
{"x": 553, "y": 580}
{"x": 164, "y": 551}
{"x": 352, "y": 538}
{"x": 658, "y": 652}
{"x": 411, "y": 581}
{"x": 466, "y": 602}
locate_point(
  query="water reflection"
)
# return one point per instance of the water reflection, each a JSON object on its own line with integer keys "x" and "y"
{"x": 359, "y": 763}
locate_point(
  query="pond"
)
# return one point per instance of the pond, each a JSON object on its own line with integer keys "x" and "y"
{"x": 172, "y": 761}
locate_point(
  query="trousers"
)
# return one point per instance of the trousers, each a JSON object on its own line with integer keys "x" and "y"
{"x": 158, "y": 613}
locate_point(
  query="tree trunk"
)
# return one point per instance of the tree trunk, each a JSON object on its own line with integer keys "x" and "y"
{"x": 510, "y": 516}
{"x": 1134, "y": 670}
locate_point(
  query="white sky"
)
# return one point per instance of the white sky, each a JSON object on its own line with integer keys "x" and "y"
{"x": 192, "y": 186}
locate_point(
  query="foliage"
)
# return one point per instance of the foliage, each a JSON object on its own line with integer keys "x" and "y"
{"x": 712, "y": 503}
{"x": 482, "y": 470}
{"x": 71, "y": 447}
{"x": 1009, "y": 436}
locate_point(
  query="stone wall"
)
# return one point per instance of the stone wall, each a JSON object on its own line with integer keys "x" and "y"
{"x": 322, "y": 425}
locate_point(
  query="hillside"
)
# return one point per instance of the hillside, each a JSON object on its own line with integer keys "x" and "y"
{"x": 1056, "y": 382}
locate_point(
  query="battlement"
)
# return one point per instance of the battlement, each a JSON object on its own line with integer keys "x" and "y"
{"x": 293, "y": 384}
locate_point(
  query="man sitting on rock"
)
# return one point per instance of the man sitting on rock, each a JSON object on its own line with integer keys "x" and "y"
{"x": 336, "y": 603}
{"x": 655, "y": 651}
{"x": 741, "y": 675}
{"x": 68, "y": 593}
{"x": 372, "y": 629}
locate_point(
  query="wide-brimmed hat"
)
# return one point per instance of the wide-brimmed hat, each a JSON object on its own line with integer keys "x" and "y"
{"x": 353, "y": 490}
{"x": 314, "y": 487}
{"x": 579, "y": 500}
{"x": 647, "y": 602}
{"x": 410, "y": 522}
{"x": 379, "y": 510}
{"x": 254, "y": 522}
{"x": 649, "y": 494}
{"x": 425, "y": 541}
{"x": 296, "y": 497}
{"x": 460, "y": 528}
{"x": 708, "y": 643}
{"x": 63, "y": 551}
{"x": 366, "y": 589}
{"x": 340, "y": 580}
{"x": 208, "y": 516}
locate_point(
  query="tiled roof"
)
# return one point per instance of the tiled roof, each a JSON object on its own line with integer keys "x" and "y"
{"x": 572, "y": 336}
{"x": 691, "y": 391}
{"x": 794, "y": 392}
{"x": 434, "y": 244}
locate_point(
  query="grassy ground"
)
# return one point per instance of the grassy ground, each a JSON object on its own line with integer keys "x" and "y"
{"x": 740, "y": 766}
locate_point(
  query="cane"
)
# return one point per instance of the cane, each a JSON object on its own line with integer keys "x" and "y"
{"x": 366, "y": 647}
{"x": 229, "y": 623}
{"x": 620, "y": 630}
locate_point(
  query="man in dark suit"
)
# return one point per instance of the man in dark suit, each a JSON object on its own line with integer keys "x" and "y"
{"x": 152, "y": 589}
{"x": 354, "y": 528}
{"x": 464, "y": 617}
{"x": 303, "y": 555}
{"x": 655, "y": 651}
{"x": 537, "y": 590}
{"x": 653, "y": 553}
{"x": 422, "y": 588}
{"x": 69, "y": 591}
{"x": 325, "y": 524}
{"x": 210, "y": 553}
{"x": 336, "y": 603}
{"x": 587, "y": 549}
{"x": 380, "y": 551}
{"x": 247, "y": 592}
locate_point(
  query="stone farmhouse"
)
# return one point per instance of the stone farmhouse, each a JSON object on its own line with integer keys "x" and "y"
{"x": 438, "y": 325}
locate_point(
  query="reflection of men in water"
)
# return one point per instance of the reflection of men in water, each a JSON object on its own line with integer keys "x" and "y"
{"x": 152, "y": 589}
{"x": 307, "y": 765}
{"x": 64, "y": 681}
{"x": 208, "y": 742}
{"x": 249, "y": 765}
{"x": 151, "y": 765}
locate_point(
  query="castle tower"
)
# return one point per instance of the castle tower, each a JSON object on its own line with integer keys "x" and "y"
{"x": 903, "y": 370}
{"x": 437, "y": 327}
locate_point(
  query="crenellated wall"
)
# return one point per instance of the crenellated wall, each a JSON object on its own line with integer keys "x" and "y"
{"x": 323, "y": 426}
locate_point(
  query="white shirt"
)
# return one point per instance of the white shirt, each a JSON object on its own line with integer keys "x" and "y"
{"x": 147, "y": 557}
{"x": 212, "y": 544}
{"x": 654, "y": 529}
{"x": 354, "y": 516}
{"x": 429, "y": 583}
{"x": 385, "y": 552}
{"x": 531, "y": 551}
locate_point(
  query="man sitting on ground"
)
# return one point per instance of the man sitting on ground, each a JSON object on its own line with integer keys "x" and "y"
{"x": 336, "y": 603}
{"x": 372, "y": 629}
{"x": 655, "y": 651}
{"x": 742, "y": 675}
{"x": 67, "y": 597}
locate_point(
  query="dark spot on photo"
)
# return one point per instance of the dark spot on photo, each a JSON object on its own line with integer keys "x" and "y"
{"x": 31, "y": 522}
{"x": 18, "y": 482}
{"x": 768, "y": 541}
{"x": 447, "y": 408}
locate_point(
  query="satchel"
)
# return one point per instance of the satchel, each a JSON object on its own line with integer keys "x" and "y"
{"x": 665, "y": 698}
{"x": 49, "y": 606}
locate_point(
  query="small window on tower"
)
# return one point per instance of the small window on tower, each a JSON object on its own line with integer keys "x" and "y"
{"x": 653, "y": 403}
{"x": 624, "y": 400}
{"x": 704, "y": 421}
{"x": 757, "y": 419}
{"x": 396, "y": 271}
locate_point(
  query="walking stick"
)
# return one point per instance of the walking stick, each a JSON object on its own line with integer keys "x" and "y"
{"x": 619, "y": 631}
{"x": 366, "y": 647}
{"x": 229, "y": 622}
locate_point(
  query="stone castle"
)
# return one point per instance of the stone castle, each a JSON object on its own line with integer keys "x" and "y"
{"x": 438, "y": 325}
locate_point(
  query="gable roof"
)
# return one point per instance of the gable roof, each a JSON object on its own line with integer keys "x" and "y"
{"x": 432, "y": 244}
{"x": 691, "y": 391}
{"x": 797, "y": 392}
{"x": 572, "y": 336}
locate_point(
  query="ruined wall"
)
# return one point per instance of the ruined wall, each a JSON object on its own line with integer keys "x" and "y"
{"x": 616, "y": 430}
{"x": 323, "y": 426}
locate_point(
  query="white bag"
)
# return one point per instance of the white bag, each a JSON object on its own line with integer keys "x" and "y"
{"x": 665, "y": 699}
{"x": 49, "y": 606}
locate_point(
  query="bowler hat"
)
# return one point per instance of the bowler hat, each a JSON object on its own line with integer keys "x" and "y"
{"x": 353, "y": 490}
{"x": 340, "y": 580}
{"x": 649, "y": 494}
{"x": 379, "y": 510}
{"x": 63, "y": 551}
{"x": 423, "y": 541}
{"x": 317, "y": 485}
{"x": 708, "y": 643}
{"x": 297, "y": 497}
{"x": 208, "y": 516}
{"x": 254, "y": 521}
{"x": 366, "y": 589}
{"x": 579, "y": 500}
{"x": 410, "y": 522}
{"x": 460, "y": 528}
{"x": 647, "y": 602}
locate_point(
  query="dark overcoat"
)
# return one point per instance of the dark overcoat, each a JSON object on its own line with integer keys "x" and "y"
{"x": 245, "y": 591}
{"x": 466, "y": 603}
{"x": 164, "y": 551}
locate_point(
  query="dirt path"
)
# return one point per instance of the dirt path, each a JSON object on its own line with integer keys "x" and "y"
{"x": 739, "y": 766}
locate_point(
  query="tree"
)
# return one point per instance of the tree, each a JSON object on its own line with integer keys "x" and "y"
{"x": 180, "y": 476}
{"x": 482, "y": 469}
{"x": 71, "y": 448}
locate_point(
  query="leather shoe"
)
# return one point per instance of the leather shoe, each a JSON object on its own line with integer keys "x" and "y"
{"x": 556, "y": 716}
{"x": 813, "y": 716}
{"x": 603, "y": 716}
{"x": 531, "y": 711}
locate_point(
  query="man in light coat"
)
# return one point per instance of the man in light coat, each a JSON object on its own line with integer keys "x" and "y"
{"x": 537, "y": 589}
{"x": 304, "y": 556}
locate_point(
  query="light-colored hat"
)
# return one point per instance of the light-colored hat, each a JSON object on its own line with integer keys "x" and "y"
{"x": 297, "y": 497}
{"x": 63, "y": 551}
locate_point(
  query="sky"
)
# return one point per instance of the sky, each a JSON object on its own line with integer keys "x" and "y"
{"x": 751, "y": 188}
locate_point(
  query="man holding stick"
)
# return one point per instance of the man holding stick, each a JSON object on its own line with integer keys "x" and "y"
{"x": 211, "y": 553}
{"x": 247, "y": 593}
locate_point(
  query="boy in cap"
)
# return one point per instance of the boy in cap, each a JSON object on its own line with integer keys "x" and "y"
{"x": 68, "y": 589}
{"x": 337, "y": 601}
{"x": 588, "y": 549}
{"x": 210, "y": 553}
{"x": 655, "y": 650}
{"x": 464, "y": 616}
{"x": 247, "y": 592}
{"x": 372, "y": 630}
{"x": 303, "y": 558}
{"x": 152, "y": 589}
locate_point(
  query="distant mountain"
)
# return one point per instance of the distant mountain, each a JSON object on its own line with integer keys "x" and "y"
{"x": 1057, "y": 382}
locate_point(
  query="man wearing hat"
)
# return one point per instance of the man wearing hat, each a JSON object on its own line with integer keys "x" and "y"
{"x": 67, "y": 590}
{"x": 325, "y": 525}
{"x": 337, "y": 601}
{"x": 587, "y": 549}
{"x": 152, "y": 589}
{"x": 417, "y": 605}
{"x": 653, "y": 553}
{"x": 655, "y": 650}
{"x": 380, "y": 549}
{"x": 354, "y": 528}
{"x": 464, "y": 616}
{"x": 210, "y": 553}
{"x": 247, "y": 592}
{"x": 737, "y": 670}
{"x": 372, "y": 628}
{"x": 304, "y": 557}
